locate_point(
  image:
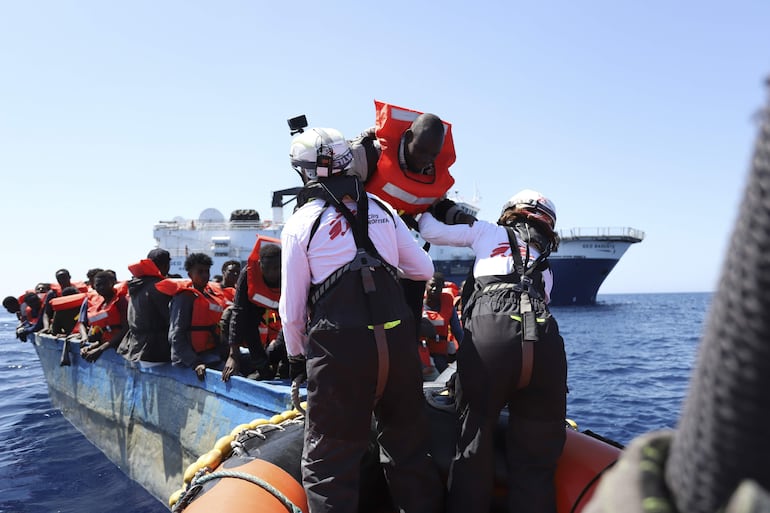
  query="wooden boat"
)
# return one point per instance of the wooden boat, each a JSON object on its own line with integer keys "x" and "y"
{"x": 178, "y": 437}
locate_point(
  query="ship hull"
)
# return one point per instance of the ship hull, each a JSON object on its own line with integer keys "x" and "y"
{"x": 583, "y": 260}
{"x": 577, "y": 280}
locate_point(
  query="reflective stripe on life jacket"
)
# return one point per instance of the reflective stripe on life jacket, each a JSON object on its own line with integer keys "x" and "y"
{"x": 405, "y": 190}
{"x": 207, "y": 311}
{"x": 104, "y": 316}
{"x": 269, "y": 326}
{"x": 259, "y": 292}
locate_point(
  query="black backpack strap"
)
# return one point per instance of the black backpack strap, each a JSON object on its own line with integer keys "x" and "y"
{"x": 528, "y": 319}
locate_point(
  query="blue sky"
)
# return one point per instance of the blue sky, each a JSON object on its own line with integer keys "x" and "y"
{"x": 114, "y": 116}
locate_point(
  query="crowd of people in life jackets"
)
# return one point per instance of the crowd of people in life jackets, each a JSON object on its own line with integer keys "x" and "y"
{"x": 146, "y": 320}
{"x": 228, "y": 322}
{"x": 348, "y": 300}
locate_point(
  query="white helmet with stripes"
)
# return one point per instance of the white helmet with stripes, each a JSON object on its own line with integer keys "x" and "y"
{"x": 534, "y": 205}
{"x": 320, "y": 153}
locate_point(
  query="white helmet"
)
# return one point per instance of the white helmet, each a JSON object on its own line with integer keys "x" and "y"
{"x": 534, "y": 204}
{"x": 320, "y": 152}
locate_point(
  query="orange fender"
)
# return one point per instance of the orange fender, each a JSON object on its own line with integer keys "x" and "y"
{"x": 233, "y": 495}
{"x": 581, "y": 464}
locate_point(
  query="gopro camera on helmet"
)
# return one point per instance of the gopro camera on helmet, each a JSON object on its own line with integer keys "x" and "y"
{"x": 297, "y": 124}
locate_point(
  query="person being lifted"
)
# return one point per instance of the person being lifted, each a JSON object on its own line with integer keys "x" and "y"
{"x": 343, "y": 309}
{"x": 404, "y": 159}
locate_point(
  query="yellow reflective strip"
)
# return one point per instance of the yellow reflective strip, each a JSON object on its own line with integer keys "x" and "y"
{"x": 518, "y": 318}
{"x": 387, "y": 325}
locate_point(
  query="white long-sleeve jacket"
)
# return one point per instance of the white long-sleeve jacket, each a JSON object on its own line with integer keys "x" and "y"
{"x": 331, "y": 247}
{"x": 489, "y": 242}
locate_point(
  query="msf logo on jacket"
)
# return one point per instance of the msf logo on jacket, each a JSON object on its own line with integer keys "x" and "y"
{"x": 339, "y": 226}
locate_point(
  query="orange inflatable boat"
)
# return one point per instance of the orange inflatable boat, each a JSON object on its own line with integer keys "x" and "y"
{"x": 257, "y": 467}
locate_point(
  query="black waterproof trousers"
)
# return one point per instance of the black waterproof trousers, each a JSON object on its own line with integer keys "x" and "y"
{"x": 488, "y": 368}
{"x": 342, "y": 368}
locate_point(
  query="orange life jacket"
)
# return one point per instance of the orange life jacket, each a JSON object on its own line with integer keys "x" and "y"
{"x": 104, "y": 316}
{"x": 439, "y": 345}
{"x": 440, "y": 321}
{"x": 259, "y": 293}
{"x": 68, "y": 302}
{"x": 229, "y": 295}
{"x": 207, "y": 310}
{"x": 144, "y": 267}
{"x": 269, "y": 326}
{"x": 26, "y": 312}
{"x": 406, "y": 191}
{"x": 72, "y": 302}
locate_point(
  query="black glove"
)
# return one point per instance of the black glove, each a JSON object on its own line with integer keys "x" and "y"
{"x": 297, "y": 368}
{"x": 21, "y": 333}
{"x": 448, "y": 212}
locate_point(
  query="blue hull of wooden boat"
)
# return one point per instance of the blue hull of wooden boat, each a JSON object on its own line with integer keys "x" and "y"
{"x": 152, "y": 422}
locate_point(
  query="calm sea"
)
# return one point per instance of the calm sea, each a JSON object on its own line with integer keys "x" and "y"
{"x": 630, "y": 359}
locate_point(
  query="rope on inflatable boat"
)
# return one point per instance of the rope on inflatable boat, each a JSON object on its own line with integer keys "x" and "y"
{"x": 227, "y": 445}
{"x": 199, "y": 481}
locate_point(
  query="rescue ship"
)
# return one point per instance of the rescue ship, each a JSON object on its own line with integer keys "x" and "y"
{"x": 583, "y": 260}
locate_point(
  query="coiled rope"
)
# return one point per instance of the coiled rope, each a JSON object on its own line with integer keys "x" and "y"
{"x": 203, "y": 478}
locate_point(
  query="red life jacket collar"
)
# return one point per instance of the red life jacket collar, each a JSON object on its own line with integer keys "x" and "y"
{"x": 259, "y": 293}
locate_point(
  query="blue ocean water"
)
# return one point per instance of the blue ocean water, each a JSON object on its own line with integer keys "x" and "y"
{"x": 630, "y": 358}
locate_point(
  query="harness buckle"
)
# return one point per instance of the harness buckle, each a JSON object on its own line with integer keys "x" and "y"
{"x": 363, "y": 259}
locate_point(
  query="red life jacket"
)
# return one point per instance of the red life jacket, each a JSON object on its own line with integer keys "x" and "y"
{"x": 440, "y": 321}
{"x": 406, "y": 191}
{"x": 269, "y": 326}
{"x": 438, "y": 346}
{"x": 104, "y": 316}
{"x": 144, "y": 267}
{"x": 229, "y": 295}
{"x": 207, "y": 310}
{"x": 259, "y": 293}
{"x": 68, "y": 302}
{"x": 26, "y": 312}
{"x": 72, "y": 302}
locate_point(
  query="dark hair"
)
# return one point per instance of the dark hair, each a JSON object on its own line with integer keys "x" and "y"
{"x": 194, "y": 259}
{"x": 159, "y": 255}
{"x": 32, "y": 299}
{"x": 269, "y": 251}
{"x": 62, "y": 272}
{"x": 231, "y": 262}
{"x": 93, "y": 272}
{"x": 106, "y": 274}
{"x": 11, "y": 303}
